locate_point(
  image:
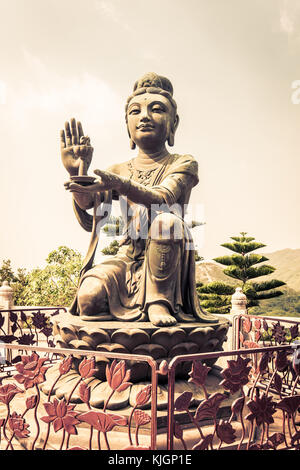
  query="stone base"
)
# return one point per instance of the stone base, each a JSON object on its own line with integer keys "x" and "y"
{"x": 161, "y": 343}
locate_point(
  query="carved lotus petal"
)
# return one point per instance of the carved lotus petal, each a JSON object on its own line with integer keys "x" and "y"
{"x": 201, "y": 335}
{"x": 112, "y": 347}
{"x": 93, "y": 336}
{"x": 67, "y": 333}
{"x": 79, "y": 344}
{"x": 169, "y": 337}
{"x": 130, "y": 338}
{"x": 154, "y": 350}
{"x": 183, "y": 348}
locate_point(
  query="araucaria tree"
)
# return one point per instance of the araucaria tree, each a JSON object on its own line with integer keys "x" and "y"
{"x": 244, "y": 265}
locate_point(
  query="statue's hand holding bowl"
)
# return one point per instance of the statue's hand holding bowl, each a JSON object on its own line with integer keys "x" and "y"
{"x": 76, "y": 149}
{"x": 103, "y": 182}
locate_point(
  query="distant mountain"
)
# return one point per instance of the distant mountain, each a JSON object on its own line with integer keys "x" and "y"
{"x": 209, "y": 271}
{"x": 286, "y": 262}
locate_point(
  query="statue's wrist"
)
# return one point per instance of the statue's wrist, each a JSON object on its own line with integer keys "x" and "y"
{"x": 125, "y": 186}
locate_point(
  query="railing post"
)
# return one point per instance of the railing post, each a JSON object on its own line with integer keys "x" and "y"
{"x": 6, "y": 303}
{"x": 238, "y": 302}
{"x": 6, "y": 296}
{"x": 238, "y": 307}
{"x": 171, "y": 392}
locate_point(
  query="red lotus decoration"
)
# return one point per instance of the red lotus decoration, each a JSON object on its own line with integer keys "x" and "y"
{"x": 141, "y": 418}
{"x": 18, "y": 425}
{"x": 65, "y": 365}
{"x": 7, "y": 393}
{"x": 143, "y": 396}
{"x": 87, "y": 368}
{"x": 225, "y": 432}
{"x": 236, "y": 374}
{"x": 61, "y": 415}
{"x": 103, "y": 422}
{"x": 198, "y": 373}
{"x": 117, "y": 376}
{"x": 262, "y": 410}
{"x": 31, "y": 370}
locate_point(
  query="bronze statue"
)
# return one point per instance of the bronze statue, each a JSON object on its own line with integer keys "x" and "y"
{"x": 153, "y": 274}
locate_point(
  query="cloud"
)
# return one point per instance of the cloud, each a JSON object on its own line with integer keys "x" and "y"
{"x": 86, "y": 95}
{"x": 285, "y": 19}
{"x": 289, "y": 18}
{"x": 111, "y": 12}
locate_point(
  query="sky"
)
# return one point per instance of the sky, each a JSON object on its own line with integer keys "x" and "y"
{"x": 234, "y": 65}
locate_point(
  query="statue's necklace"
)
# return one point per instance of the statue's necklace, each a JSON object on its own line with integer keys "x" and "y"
{"x": 147, "y": 176}
{"x": 141, "y": 176}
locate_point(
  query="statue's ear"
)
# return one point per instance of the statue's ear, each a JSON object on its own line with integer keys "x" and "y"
{"x": 132, "y": 143}
{"x": 176, "y": 122}
{"x": 171, "y": 136}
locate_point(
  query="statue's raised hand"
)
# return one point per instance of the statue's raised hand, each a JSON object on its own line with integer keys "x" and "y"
{"x": 76, "y": 151}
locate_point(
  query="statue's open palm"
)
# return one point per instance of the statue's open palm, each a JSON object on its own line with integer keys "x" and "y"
{"x": 76, "y": 151}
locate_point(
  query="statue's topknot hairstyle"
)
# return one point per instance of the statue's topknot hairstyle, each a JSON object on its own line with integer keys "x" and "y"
{"x": 153, "y": 83}
{"x": 153, "y": 80}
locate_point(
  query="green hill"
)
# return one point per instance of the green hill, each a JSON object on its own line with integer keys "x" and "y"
{"x": 287, "y": 264}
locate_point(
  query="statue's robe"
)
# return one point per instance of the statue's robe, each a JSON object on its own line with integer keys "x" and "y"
{"x": 133, "y": 278}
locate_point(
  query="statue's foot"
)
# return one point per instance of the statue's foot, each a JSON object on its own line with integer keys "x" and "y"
{"x": 159, "y": 315}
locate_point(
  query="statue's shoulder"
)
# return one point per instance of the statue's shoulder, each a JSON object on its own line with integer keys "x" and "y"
{"x": 185, "y": 161}
{"x": 116, "y": 168}
{"x": 183, "y": 158}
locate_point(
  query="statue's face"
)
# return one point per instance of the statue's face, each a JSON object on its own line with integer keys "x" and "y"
{"x": 149, "y": 119}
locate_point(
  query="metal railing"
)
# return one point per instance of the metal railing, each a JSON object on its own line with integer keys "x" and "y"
{"x": 253, "y": 331}
{"x": 260, "y": 382}
{"x": 72, "y": 412}
{"x": 67, "y": 398}
{"x": 252, "y": 403}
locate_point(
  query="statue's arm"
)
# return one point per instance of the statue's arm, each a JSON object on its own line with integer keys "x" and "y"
{"x": 183, "y": 178}
{"x": 177, "y": 183}
{"x": 85, "y": 200}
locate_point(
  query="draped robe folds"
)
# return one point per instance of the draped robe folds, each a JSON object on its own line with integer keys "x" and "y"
{"x": 130, "y": 285}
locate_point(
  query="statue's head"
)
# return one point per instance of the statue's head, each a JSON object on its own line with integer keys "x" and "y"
{"x": 151, "y": 111}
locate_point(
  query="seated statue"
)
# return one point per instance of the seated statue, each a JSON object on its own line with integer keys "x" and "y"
{"x": 152, "y": 277}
